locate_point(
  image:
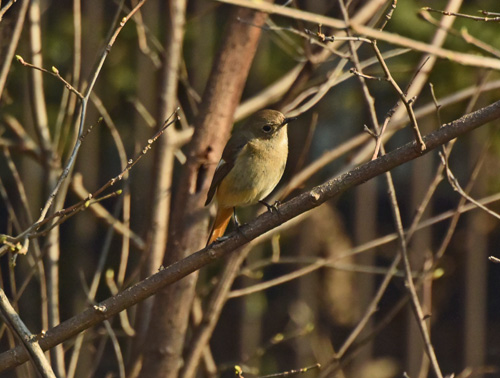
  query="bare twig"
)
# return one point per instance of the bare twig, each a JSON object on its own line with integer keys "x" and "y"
{"x": 54, "y": 72}
{"x": 332, "y": 38}
{"x": 456, "y": 186}
{"x": 83, "y": 113}
{"x": 455, "y": 215}
{"x": 113, "y": 288}
{"x": 263, "y": 223}
{"x": 212, "y": 313}
{"x": 91, "y": 293}
{"x": 399, "y": 117}
{"x": 388, "y": 15}
{"x": 116, "y": 348}
{"x": 461, "y": 58}
{"x": 394, "y": 207}
{"x": 410, "y": 285}
{"x": 28, "y": 340}
{"x": 161, "y": 192}
{"x": 463, "y": 33}
{"x": 16, "y": 34}
{"x": 408, "y": 103}
{"x": 468, "y": 16}
{"x": 5, "y": 8}
{"x": 101, "y": 213}
{"x": 494, "y": 259}
{"x": 315, "y": 264}
{"x": 126, "y": 187}
{"x": 292, "y": 372}
{"x": 32, "y": 231}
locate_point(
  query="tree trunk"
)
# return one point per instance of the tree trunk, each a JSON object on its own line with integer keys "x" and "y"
{"x": 189, "y": 221}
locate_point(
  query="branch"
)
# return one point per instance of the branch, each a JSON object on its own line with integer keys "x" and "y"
{"x": 465, "y": 59}
{"x": 33, "y": 230}
{"x": 83, "y": 113}
{"x": 475, "y": 18}
{"x": 28, "y": 340}
{"x": 267, "y": 221}
{"x": 14, "y": 40}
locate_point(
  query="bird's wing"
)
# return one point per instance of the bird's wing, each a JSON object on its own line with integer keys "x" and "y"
{"x": 226, "y": 163}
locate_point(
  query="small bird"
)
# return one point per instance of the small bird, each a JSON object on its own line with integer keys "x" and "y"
{"x": 252, "y": 164}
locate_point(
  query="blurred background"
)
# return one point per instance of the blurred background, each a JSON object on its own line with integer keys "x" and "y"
{"x": 307, "y": 319}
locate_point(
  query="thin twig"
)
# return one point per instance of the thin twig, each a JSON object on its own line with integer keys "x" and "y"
{"x": 463, "y": 33}
{"x": 83, "y": 113}
{"x": 54, "y": 72}
{"x": 439, "y": 52}
{"x": 408, "y": 103}
{"x": 462, "y": 15}
{"x": 324, "y": 38}
{"x": 126, "y": 186}
{"x": 394, "y": 203}
{"x": 410, "y": 285}
{"x": 212, "y": 313}
{"x": 456, "y": 187}
{"x": 455, "y": 215}
{"x": 14, "y": 40}
{"x": 292, "y": 372}
{"x": 260, "y": 225}
{"x": 28, "y": 340}
{"x": 113, "y": 288}
{"x": 388, "y": 15}
{"x": 5, "y": 8}
{"x": 32, "y": 231}
{"x": 103, "y": 214}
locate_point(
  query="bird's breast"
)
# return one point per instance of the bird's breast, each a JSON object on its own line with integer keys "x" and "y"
{"x": 256, "y": 172}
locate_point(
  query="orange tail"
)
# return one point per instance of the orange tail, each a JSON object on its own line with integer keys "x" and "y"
{"x": 220, "y": 224}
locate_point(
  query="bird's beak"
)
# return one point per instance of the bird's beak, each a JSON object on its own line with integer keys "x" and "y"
{"x": 288, "y": 120}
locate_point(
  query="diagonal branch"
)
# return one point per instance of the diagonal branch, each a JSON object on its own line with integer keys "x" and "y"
{"x": 28, "y": 340}
{"x": 267, "y": 221}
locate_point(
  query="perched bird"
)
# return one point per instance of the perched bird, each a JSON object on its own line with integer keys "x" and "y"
{"x": 251, "y": 166}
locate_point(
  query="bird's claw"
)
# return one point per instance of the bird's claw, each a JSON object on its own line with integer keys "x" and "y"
{"x": 273, "y": 207}
{"x": 235, "y": 218}
{"x": 220, "y": 239}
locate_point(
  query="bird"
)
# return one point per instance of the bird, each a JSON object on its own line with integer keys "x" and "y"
{"x": 252, "y": 164}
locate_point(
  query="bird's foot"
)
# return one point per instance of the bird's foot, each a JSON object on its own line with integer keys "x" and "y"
{"x": 220, "y": 239}
{"x": 235, "y": 218}
{"x": 273, "y": 207}
{"x": 238, "y": 229}
{"x": 237, "y": 224}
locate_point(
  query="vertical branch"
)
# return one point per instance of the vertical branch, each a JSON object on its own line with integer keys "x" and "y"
{"x": 38, "y": 97}
{"x": 394, "y": 204}
{"x": 419, "y": 314}
{"x": 217, "y": 300}
{"x": 69, "y": 102}
{"x": 168, "y": 328}
{"x": 83, "y": 113}
{"x": 54, "y": 180}
{"x": 28, "y": 219}
{"x": 164, "y": 157}
{"x": 91, "y": 294}
{"x": 42, "y": 129}
{"x": 14, "y": 39}
{"x": 120, "y": 147}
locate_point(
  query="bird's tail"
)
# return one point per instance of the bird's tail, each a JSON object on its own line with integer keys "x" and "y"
{"x": 220, "y": 223}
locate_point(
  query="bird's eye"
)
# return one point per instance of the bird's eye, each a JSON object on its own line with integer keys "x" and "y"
{"x": 266, "y": 128}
